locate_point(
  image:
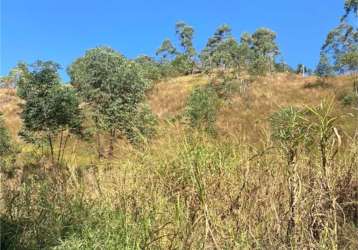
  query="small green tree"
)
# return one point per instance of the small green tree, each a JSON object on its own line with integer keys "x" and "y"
{"x": 341, "y": 45}
{"x": 166, "y": 50}
{"x": 185, "y": 34}
{"x": 211, "y": 53}
{"x": 202, "y": 109}
{"x": 265, "y": 48}
{"x": 50, "y": 109}
{"x": 113, "y": 86}
{"x": 324, "y": 69}
{"x": 186, "y": 60}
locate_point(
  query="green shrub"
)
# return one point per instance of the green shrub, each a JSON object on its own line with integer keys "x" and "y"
{"x": 42, "y": 214}
{"x": 113, "y": 86}
{"x": 150, "y": 68}
{"x": 202, "y": 108}
{"x": 50, "y": 108}
{"x": 347, "y": 98}
{"x": 288, "y": 129}
{"x": 143, "y": 125}
{"x": 183, "y": 64}
{"x": 5, "y": 145}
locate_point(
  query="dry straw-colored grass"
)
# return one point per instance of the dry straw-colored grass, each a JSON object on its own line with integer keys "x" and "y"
{"x": 186, "y": 190}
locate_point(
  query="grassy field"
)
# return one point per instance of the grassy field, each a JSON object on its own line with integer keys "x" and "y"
{"x": 188, "y": 190}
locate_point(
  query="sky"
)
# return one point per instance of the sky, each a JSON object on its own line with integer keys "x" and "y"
{"x": 62, "y": 30}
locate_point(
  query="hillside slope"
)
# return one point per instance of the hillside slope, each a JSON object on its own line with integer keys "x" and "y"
{"x": 245, "y": 113}
{"x": 185, "y": 189}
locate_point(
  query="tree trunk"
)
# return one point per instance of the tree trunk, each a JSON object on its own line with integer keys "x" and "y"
{"x": 111, "y": 143}
{"x": 99, "y": 145}
{"x": 51, "y": 146}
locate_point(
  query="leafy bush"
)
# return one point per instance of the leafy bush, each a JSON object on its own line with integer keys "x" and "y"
{"x": 50, "y": 108}
{"x": 143, "y": 125}
{"x": 113, "y": 86}
{"x": 202, "y": 108}
{"x": 288, "y": 128}
{"x": 5, "y": 145}
{"x": 183, "y": 64}
{"x": 349, "y": 97}
{"x": 150, "y": 68}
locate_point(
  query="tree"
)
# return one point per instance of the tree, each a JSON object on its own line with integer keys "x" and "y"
{"x": 167, "y": 50}
{"x": 265, "y": 48}
{"x": 341, "y": 45}
{"x": 185, "y": 62}
{"x": 350, "y": 6}
{"x": 324, "y": 69}
{"x": 185, "y": 34}
{"x": 10, "y": 81}
{"x": 303, "y": 70}
{"x": 113, "y": 86}
{"x": 50, "y": 108}
{"x": 211, "y": 50}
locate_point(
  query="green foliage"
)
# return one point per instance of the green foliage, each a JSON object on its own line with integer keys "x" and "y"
{"x": 50, "y": 108}
{"x": 341, "y": 44}
{"x": 216, "y": 47}
{"x": 5, "y": 145}
{"x": 288, "y": 128}
{"x": 41, "y": 215}
{"x": 166, "y": 50}
{"x": 150, "y": 68}
{"x": 182, "y": 64}
{"x": 303, "y": 69}
{"x": 349, "y": 7}
{"x": 143, "y": 125}
{"x": 324, "y": 69}
{"x": 185, "y": 34}
{"x": 264, "y": 43}
{"x": 202, "y": 108}
{"x": 255, "y": 53}
{"x": 43, "y": 76}
{"x": 350, "y": 99}
{"x": 282, "y": 67}
{"x": 56, "y": 109}
{"x": 266, "y": 49}
{"x": 112, "y": 85}
{"x": 348, "y": 62}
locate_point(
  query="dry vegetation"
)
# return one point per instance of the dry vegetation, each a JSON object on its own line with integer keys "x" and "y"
{"x": 186, "y": 190}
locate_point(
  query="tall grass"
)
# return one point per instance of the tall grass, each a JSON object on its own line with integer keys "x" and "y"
{"x": 295, "y": 189}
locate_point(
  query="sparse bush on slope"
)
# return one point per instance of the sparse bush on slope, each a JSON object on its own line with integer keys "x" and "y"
{"x": 202, "y": 109}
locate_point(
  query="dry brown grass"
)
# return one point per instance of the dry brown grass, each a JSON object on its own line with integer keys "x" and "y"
{"x": 187, "y": 190}
{"x": 9, "y": 106}
{"x": 247, "y": 115}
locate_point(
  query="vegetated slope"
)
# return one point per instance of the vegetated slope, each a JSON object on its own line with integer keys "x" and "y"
{"x": 245, "y": 113}
{"x": 187, "y": 190}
